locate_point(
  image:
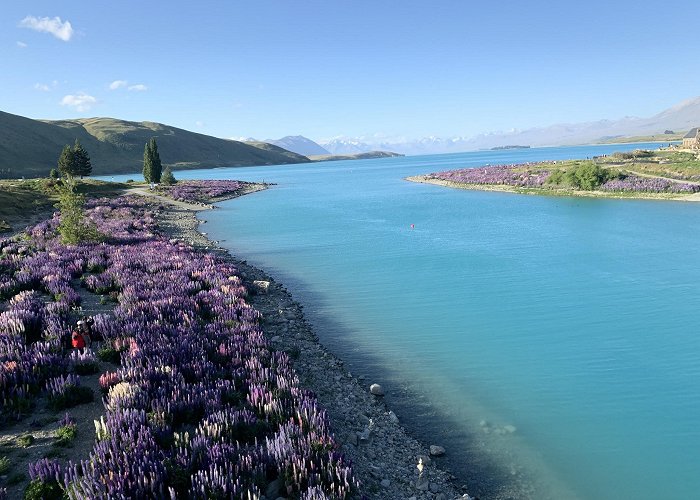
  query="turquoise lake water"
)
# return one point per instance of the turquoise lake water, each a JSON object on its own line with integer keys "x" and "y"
{"x": 574, "y": 320}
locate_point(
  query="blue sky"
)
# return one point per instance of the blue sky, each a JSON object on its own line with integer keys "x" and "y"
{"x": 327, "y": 68}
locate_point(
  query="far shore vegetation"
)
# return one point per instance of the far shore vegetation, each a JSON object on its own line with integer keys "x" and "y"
{"x": 668, "y": 136}
{"x": 659, "y": 174}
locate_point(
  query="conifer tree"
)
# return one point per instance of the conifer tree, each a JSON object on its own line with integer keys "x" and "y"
{"x": 147, "y": 163}
{"x": 152, "y": 167}
{"x": 65, "y": 161}
{"x": 167, "y": 178}
{"x": 74, "y": 227}
{"x": 81, "y": 160}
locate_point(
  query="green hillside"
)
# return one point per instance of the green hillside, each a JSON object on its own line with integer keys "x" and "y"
{"x": 30, "y": 148}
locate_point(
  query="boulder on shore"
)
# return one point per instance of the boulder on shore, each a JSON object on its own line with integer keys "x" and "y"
{"x": 376, "y": 389}
{"x": 436, "y": 451}
{"x": 261, "y": 286}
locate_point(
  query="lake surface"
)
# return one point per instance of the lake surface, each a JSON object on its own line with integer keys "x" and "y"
{"x": 573, "y": 320}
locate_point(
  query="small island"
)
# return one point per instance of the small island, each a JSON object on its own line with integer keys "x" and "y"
{"x": 670, "y": 174}
{"x": 355, "y": 156}
{"x": 511, "y": 146}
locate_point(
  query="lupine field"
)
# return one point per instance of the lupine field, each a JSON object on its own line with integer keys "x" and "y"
{"x": 201, "y": 190}
{"x": 537, "y": 175}
{"x": 509, "y": 175}
{"x": 635, "y": 183}
{"x": 197, "y": 405}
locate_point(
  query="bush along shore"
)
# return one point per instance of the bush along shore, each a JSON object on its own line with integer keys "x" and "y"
{"x": 663, "y": 174}
{"x": 204, "y": 399}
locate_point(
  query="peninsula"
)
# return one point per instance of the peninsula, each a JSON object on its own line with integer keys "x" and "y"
{"x": 669, "y": 174}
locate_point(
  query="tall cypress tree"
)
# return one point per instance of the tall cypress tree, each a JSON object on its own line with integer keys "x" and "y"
{"x": 65, "y": 161}
{"x": 152, "y": 167}
{"x": 157, "y": 168}
{"x": 147, "y": 163}
{"x": 81, "y": 160}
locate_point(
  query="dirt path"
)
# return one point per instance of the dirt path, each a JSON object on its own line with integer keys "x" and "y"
{"x": 168, "y": 201}
{"x": 43, "y": 422}
{"x": 670, "y": 179}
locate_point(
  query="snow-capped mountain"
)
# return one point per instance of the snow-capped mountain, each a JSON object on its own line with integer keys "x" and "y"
{"x": 680, "y": 117}
{"x": 299, "y": 144}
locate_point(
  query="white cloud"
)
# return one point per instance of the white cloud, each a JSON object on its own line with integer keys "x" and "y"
{"x": 59, "y": 29}
{"x": 42, "y": 86}
{"x": 120, "y": 84}
{"x": 21, "y": 45}
{"x": 81, "y": 101}
{"x": 117, "y": 84}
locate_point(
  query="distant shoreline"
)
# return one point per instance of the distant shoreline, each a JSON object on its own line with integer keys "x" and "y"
{"x": 503, "y": 188}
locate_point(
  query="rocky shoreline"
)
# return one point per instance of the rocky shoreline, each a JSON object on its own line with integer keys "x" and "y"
{"x": 386, "y": 459}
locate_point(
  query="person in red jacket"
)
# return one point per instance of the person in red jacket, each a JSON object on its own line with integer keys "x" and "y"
{"x": 77, "y": 340}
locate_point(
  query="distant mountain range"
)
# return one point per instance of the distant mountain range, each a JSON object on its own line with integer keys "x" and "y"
{"x": 681, "y": 117}
{"x": 299, "y": 144}
{"x": 30, "y": 148}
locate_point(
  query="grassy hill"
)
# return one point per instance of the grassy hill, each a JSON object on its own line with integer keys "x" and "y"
{"x": 30, "y": 148}
{"x": 644, "y": 138}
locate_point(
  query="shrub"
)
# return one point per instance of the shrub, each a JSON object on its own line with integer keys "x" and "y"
{"x": 66, "y": 434}
{"x": 74, "y": 227}
{"x": 25, "y": 440}
{"x": 4, "y": 465}
{"x": 109, "y": 354}
{"x": 588, "y": 176}
{"x": 168, "y": 178}
{"x": 43, "y": 490}
{"x": 557, "y": 177}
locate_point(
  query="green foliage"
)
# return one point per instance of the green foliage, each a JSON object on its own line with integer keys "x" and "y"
{"x": 43, "y": 490}
{"x": 168, "y": 178}
{"x": 65, "y": 161}
{"x": 557, "y": 177}
{"x": 25, "y": 440}
{"x": 81, "y": 160}
{"x": 632, "y": 155}
{"x": 109, "y": 354}
{"x": 74, "y": 226}
{"x": 73, "y": 396}
{"x": 152, "y": 167}
{"x": 74, "y": 161}
{"x": 53, "y": 174}
{"x": 66, "y": 434}
{"x": 4, "y": 227}
{"x": 5, "y": 465}
{"x": 588, "y": 176}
